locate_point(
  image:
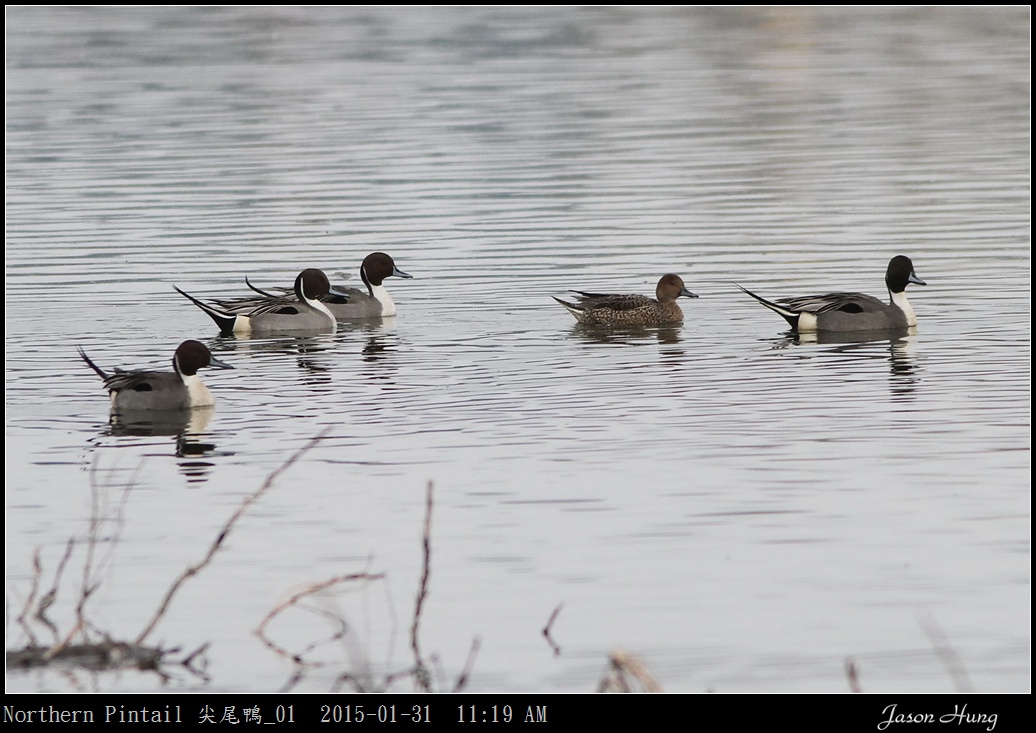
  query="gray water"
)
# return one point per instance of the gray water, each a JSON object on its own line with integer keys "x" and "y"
{"x": 740, "y": 509}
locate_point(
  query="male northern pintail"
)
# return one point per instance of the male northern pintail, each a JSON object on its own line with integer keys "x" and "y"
{"x": 145, "y": 390}
{"x": 632, "y": 310}
{"x": 349, "y": 303}
{"x": 376, "y": 302}
{"x": 852, "y": 311}
{"x": 278, "y": 315}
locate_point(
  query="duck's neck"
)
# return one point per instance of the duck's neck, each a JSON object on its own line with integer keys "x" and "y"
{"x": 198, "y": 392}
{"x": 320, "y": 306}
{"x": 900, "y": 301}
{"x": 388, "y": 308}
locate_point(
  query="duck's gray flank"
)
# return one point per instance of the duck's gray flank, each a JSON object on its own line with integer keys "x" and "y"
{"x": 852, "y": 311}
{"x": 631, "y": 310}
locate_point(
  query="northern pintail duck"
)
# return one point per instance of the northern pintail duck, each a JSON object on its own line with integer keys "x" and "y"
{"x": 145, "y": 390}
{"x": 274, "y": 314}
{"x": 376, "y": 302}
{"x": 631, "y": 310}
{"x": 348, "y": 303}
{"x": 852, "y": 311}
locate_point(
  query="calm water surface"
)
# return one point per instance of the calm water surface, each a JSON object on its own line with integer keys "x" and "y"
{"x": 740, "y": 509}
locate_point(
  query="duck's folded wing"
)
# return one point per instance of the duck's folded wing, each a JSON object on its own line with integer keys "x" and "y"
{"x": 278, "y": 306}
{"x": 255, "y": 303}
{"x": 845, "y": 302}
{"x": 612, "y": 302}
{"x": 136, "y": 381}
{"x": 240, "y": 306}
{"x": 284, "y": 305}
{"x": 285, "y": 298}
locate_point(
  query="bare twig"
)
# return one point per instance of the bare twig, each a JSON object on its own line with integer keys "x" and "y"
{"x": 58, "y": 648}
{"x": 195, "y": 569}
{"x": 295, "y": 678}
{"x": 360, "y": 677}
{"x": 51, "y": 595}
{"x": 188, "y": 661}
{"x": 37, "y": 572}
{"x": 853, "y": 675}
{"x": 626, "y": 673}
{"x": 93, "y": 567}
{"x": 465, "y": 674}
{"x": 366, "y": 684}
{"x": 546, "y": 630}
{"x": 946, "y": 653}
{"x": 296, "y": 598}
{"x": 420, "y": 669}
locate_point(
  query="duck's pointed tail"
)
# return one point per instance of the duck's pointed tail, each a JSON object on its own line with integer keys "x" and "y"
{"x": 572, "y": 308}
{"x": 89, "y": 363}
{"x": 224, "y": 319}
{"x": 792, "y": 317}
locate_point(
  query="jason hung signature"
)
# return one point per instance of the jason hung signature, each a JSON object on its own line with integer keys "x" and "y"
{"x": 960, "y": 715}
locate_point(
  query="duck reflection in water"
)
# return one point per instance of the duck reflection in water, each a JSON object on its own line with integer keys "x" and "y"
{"x": 900, "y": 355}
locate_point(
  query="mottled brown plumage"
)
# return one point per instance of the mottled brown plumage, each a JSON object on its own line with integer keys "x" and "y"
{"x": 631, "y": 310}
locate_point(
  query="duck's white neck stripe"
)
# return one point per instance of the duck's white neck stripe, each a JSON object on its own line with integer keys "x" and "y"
{"x": 320, "y": 306}
{"x": 323, "y": 309}
{"x": 900, "y": 301}
{"x": 388, "y": 308}
{"x": 199, "y": 393}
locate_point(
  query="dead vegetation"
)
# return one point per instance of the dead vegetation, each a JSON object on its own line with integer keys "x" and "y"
{"x": 83, "y": 644}
{"x": 79, "y": 643}
{"x": 626, "y": 673}
{"x": 358, "y": 674}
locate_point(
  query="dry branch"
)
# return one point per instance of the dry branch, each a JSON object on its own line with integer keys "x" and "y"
{"x": 195, "y": 569}
{"x": 546, "y": 630}
{"x": 296, "y": 598}
{"x": 420, "y": 668}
